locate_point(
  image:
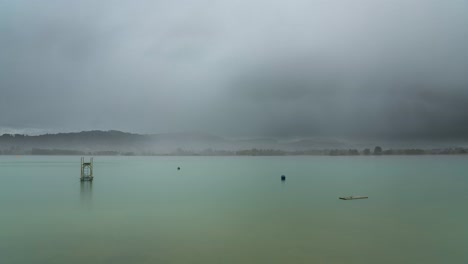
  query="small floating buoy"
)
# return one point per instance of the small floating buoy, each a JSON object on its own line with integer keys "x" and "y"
{"x": 178, "y": 168}
{"x": 283, "y": 178}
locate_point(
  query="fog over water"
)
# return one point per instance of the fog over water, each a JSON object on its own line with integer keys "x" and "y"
{"x": 385, "y": 69}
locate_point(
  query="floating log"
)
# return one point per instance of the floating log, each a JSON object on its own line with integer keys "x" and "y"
{"x": 353, "y": 197}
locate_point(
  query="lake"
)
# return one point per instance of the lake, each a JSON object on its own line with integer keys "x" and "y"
{"x": 234, "y": 210}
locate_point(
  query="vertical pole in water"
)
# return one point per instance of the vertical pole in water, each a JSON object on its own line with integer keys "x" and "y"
{"x": 81, "y": 168}
{"x": 91, "y": 169}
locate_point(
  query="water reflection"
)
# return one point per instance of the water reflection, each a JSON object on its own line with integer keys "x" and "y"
{"x": 86, "y": 192}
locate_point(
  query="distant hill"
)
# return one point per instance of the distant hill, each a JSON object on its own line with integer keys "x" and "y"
{"x": 110, "y": 141}
{"x": 86, "y": 140}
{"x": 118, "y": 141}
{"x": 121, "y": 143}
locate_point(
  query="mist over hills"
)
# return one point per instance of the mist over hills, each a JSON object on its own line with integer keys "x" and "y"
{"x": 113, "y": 141}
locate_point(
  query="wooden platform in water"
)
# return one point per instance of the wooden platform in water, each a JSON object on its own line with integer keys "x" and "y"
{"x": 353, "y": 197}
{"x": 86, "y": 178}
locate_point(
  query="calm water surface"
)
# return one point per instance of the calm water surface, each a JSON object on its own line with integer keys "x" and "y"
{"x": 234, "y": 210}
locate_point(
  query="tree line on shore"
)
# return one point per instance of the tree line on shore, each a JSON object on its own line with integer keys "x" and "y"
{"x": 377, "y": 151}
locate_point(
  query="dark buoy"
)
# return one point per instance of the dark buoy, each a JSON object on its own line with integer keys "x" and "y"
{"x": 178, "y": 168}
{"x": 283, "y": 178}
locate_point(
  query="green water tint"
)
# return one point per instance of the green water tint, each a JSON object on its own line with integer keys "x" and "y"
{"x": 234, "y": 210}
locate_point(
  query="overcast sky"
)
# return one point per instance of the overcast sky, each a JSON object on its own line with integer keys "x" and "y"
{"x": 238, "y": 68}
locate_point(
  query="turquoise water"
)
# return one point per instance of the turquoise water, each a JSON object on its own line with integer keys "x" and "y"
{"x": 234, "y": 210}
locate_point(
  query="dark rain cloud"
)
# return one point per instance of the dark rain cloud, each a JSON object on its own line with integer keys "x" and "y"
{"x": 353, "y": 69}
